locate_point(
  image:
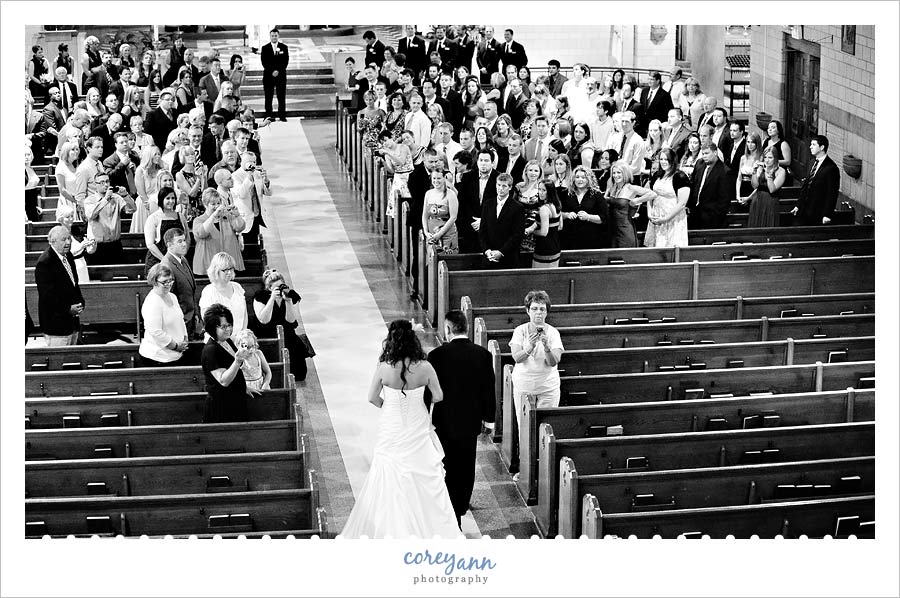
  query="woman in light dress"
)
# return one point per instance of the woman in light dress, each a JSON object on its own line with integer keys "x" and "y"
{"x": 668, "y": 197}
{"x": 223, "y": 290}
{"x": 65, "y": 176}
{"x": 439, "y": 212}
{"x": 575, "y": 90}
{"x": 404, "y": 493}
{"x": 146, "y": 177}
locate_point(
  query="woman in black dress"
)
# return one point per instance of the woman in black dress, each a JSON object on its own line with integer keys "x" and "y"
{"x": 221, "y": 360}
{"x": 276, "y": 304}
{"x": 584, "y": 211}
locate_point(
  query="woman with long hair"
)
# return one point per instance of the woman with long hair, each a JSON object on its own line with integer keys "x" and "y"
{"x": 484, "y": 140}
{"x": 555, "y": 149}
{"x": 154, "y": 87}
{"x": 184, "y": 93}
{"x": 752, "y": 156}
{"x": 652, "y": 145}
{"x": 145, "y": 180}
{"x": 435, "y": 114}
{"x": 190, "y": 181}
{"x": 532, "y": 109}
{"x": 497, "y": 82}
{"x": 562, "y": 175}
{"x": 395, "y": 121}
{"x": 585, "y": 212}
{"x": 132, "y": 104}
{"x": 604, "y": 161}
{"x": 504, "y": 130}
{"x": 546, "y": 227}
{"x": 398, "y": 162}
{"x": 547, "y": 104}
{"x": 389, "y": 69}
{"x": 619, "y": 192}
{"x": 236, "y": 74}
{"x": 370, "y": 121}
{"x": 691, "y": 102}
{"x": 776, "y": 140}
{"x": 767, "y": 180}
{"x": 691, "y": 155}
{"x": 65, "y": 177}
{"x": 439, "y": 212}
{"x": 524, "y": 75}
{"x": 582, "y": 150}
{"x": 668, "y": 197}
{"x": 32, "y": 188}
{"x": 473, "y": 99}
{"x": 95, "y": 107}
{"x": 140, "y": 75}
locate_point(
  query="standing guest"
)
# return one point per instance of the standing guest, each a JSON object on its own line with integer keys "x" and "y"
{"x": 819, "y": 192}
{"x": 557, "y": 79}
{"x": 655, "y": 101}
{"x": 81, "y": 246}
{"x": 767, "y": 180}
{"x": 706, "y": 117}
{"x": 398, "y": 162}
{"x": 502, "y": 227}
{"x": 133, "y": 105}
{"x": 512, "y": 161}
{"x": 546, "y": 228}
{"x": 526, "y": 193}
{"x": 720, "y": 134}
{"x": 68, "y": 91}
{"x": 121, "y": 165}
{"x": 153, "y": 89}
{"x": 504, "y": 130}
{"x": 467, "y": 409}
{"x": 676, "y": 132}
{"x": 38, "y": 71}
{"x": 547, "y": 105}
{"x": 94, "y": 108}
{"x": 32, "y": 189}
{"x": 103, "y": 210}
{"x": 556, "y": 148}
{"x": 602, "y": 125}
{"x": 585, "y": 211}
{"x": 185, "y": 98}
{"x": 158, "y": 223}
{"x": 42, "y": 128}
{"x": 515, "y": 103}
{"x": 413, "y": 48}
{"x": 710, "y": 195}
{"x": 670, "y": 192}
{"x": 652, "y": 145}
{"x": 59, "y": 297}
{"x": 374, "y": 49}
{"x": 604, "y": 162}
{"x": 251, "y": 184}
{"x": 439, "y": 213}
{"x": 733, "y": 150}
{"x": 275, "y": 62}
{"x": 631, "y": 147}
{"x": 532, "y": 110}
{"x": 582, "y": 150}
{"x": 473, "y": 100}
{"x": 64, "y": 59}
{"x": 212, "y": 82}
{"x": 221, "y": 361}
{"x": 562, "y": 175}
{"x": 487, "y": 55}
{"x": 418, "y": 122}
{"x": 140, "y": 76}
{"x": 675, "y": 85}
{"x": 390, "y": 69}
{"x": 619, "y": 191}
{"x": 91, "y": 63}
{"x": 691, "y": 103}
{"x": 107, "y": 132}
{"x": 236, "y": 74}
{"x": 776, "y": 139}
{"x": 475, "y": 187}
{"x": 161, "y": 121}
{"x": 185, "y": 287}
{"x": 141, "y": 140}
{"x": 177, "y": 60}
{"x": 691, "y": 156}
{"x": 165, "y": 335}
{"x": 223, "y": 290}
{"x": 215, "y": 231}
{"x": 65, "y": 177}
{"x": 86, "y": 172}
{"x": 752, "y": 155}
{"x": 512, "y": 52}
{"x": 277, "y": 304}
{"x": 395, "y": 121}
{"x": 145, "y": 181}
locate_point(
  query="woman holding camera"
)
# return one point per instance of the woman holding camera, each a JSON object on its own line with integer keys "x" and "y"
{"x": 221, "y": 360}
{"x": 275, "y": 304}
{"x": 216, "y": 230}
{"x": 767, "y": 179}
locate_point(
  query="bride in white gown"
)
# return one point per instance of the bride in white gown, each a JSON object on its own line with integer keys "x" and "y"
{"x": 574, "y": 89}
{"x": 404, "y": 493}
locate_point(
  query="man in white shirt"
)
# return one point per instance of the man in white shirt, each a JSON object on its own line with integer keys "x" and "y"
{"x": 251, "y": 184}
{"x": 447, "y": 147}
{"x": 381, "y": 96}
{"x": 720, "y": 133}
{"x": 418, "y": 122}
{"x": 675, "y": 84}
{"x": 602, "y": 126}
{"x": 86, "y": 172}
{"x": 631, "y": 148}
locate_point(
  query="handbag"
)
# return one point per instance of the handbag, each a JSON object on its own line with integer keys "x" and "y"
{"x": 310, "y": 352}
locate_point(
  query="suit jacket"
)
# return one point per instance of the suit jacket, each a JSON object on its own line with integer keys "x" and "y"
{"x": 470, "y": 203}
{"x": 515, "y": 55}
{"x": 52, "y": 116}
{"x": 72, "y": 95}
{"x": 556, "y": 84}
{"x": 208, "y": 149}
{"x": 119, "y": 174}
{"x": 819, "y": 194}
{"x": 274, "y": 62}
{"x": 518, "y": 168}
{"x": 516, "y": 109}
{"x": 159, "y": 126}
{"x": 502, "y": 233}
{"x": 448, "y": 50}
{"x": 488, "y": 57}
{"x": 640, "y": 122}
{"x": 416, "y": 59}
{"x": 374, "y": 53}
{"x": 56, "y": 294}
{"x": 530, "y": 149}
{"x": 659, "y": 108}
{"x": 109, "y": 144}
{"x": 705, "y": 119}
{"x": 679, "y": 142}
{"x": 709, "y": 207}
{"x": 419, "y": 183}
{"x": 457, "y": 113}
{"x": 727, "y": 148}
{"x": 468, "y": 399}
{"x": 185, "y": 287}
{"x": 208, "y": 83}
{"x": 465, "y": 47}
{"x": 243, "y": 199}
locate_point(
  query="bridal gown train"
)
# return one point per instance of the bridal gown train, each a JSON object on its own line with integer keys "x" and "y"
{"x": 404, "y": 493}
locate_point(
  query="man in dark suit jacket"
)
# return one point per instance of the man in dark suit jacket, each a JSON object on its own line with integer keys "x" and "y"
{"x": 732, "y": 150}
{"x": 374, "y": 49}
{"x": 59, "y": 298}
{"x": 447, "y": 49}
{"x": 121, "y": 165}
{"x": 557, "y": 80}
{"x": 512, "y": 52}
{"x": 52, "y": 121}
{"x": 474, "y": 189}
{"x": 466, "y": 47}
{"x": 274, "y": 58}
{"x": 211, "y": 146}
{"x": 628, "y": 103}
{"x": 676, "y": 132}
{"x": 502, "y": 227}
{"x": 68, "y": 91}
{"x": 161, "y": 121}
{"x": 515, "y": 103}
{"x": 487, "y": 56}
{"x": 454, "y": 100}
{"x": 820, "y": 189}
{"x": 413, "y": 47}
{"x": 466, "y": 374}
{"x": 655, "y": 101}
{"x": 185, "y": 286}
{"x": 107, "y": 131}
{"x": 514, "y": 153}
{"x": 709, "y": 199}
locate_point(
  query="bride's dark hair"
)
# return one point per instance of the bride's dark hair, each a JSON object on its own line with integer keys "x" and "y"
{"x": 401, "y": 344}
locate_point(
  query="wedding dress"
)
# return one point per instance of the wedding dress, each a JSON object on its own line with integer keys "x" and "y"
{"x": 579, "y": 107}
{"x": 404, "y": 493}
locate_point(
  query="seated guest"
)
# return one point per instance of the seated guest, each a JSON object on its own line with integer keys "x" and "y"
{"x": 221, "y": 360}
{"x": 165, "y": 336}
{"x": 103, "y": 209}
{"x": 65, "y": 215}
{"x": 216, "y": 231}
{"x": 584, "y": 211}
{"x": 222, "y": 289}
{"x": 158, "y": 223}
{"x": 502, "y": 227}
{"x": 278, "y": 304}
{"x": 59, "y": 297}
{"x": 176, "y": 249}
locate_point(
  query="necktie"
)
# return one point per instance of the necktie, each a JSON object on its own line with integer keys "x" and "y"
{"x": 702, "y": 182}
{"x": 650, "y": 99}
{"x": 68, "y": 268}
{"x": 813, "y": 170}
{"x": 622, "y": 147}
{"x": 538, "y": 154}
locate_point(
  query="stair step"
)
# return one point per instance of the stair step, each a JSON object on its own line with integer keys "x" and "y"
{"x": 258, "y": 92}
{"x": 322, "y": 79}
{"x": 309, "y": 70}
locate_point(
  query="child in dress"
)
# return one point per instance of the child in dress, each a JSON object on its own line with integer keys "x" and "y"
{"x": 257, "y": 373}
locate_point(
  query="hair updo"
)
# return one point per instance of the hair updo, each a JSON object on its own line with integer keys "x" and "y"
{"x": 401, "y": 344}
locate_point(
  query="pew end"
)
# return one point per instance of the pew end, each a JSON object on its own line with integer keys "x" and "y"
{"x": 568, "y": 499}
{"x": 546, "y": 511}
{"x": 591, "y": 518}
{"x": 509, "y": 426}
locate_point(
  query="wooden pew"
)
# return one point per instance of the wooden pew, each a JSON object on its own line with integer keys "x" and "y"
{"x": 777, "y": 234}
{"x": 145, "y": 409}
{"x": 709, "y": 487}
{"x": 666, "y": 417}
{"x": 123, "y": 355}
{"x": 132, "y": 381}
{"x": 167, "y": 440}
{"x": 736, "y": 308}
{"x": 188, "y": 474}
{"x": 842, "y": 217}
{"x": 136, "y": 271}
{"x": 812, "y": 518}
{"x": 251, "y": 251}
{"x": 204, "y": 513}
{"x": 659, "y": 282}
{"x": 691, "y": 450}
{"x": 132, "y": 255}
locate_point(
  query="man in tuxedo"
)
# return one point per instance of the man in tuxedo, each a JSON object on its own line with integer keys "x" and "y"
{"x": 502, "y": 227}
{"x": 709, "y": 104}
{"x": 512, "y": 52}
{"x": 710, "y": 199}
{"x": 466, "y": 47}
{"x": 447, "y": 49}
{"x": 374, "y": 49}
{"x": 475, "y": 187}
{"x": 556, "y": 79}
{"x": 121, "y": 165}
{"x": 720, "y": 136}
{"x": 515, "y": 104}
{"x": 512, "y": 162}
{"x": 274, "y": 57}
{"x": 413, "y": 47}
{"x": 655, "y": 101}
{"x": 676, "y": 133}
{"x": 732, "y": 151}
{"x": 59, "y": 297}
{"x": 820, "y": 189}
{"x": 465, "y": 371}
{"x": 185, "y": 286}
{"x": 161, "y": 121}
{"x": 487, "y": 56}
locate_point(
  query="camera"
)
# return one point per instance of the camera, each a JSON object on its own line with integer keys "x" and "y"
{"x": 284, "y": 288}
{"x": 251, "y": 167}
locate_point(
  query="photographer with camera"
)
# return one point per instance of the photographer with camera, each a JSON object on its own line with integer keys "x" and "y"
{"x": 277, "y": 303}
{"x": 251, "y": 184}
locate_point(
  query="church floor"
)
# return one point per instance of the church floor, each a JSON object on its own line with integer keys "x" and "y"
{"x": 334, "y": 254}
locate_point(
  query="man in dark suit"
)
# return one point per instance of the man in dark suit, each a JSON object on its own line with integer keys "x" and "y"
{"x": 557, "y": 80}
{"x": 655, "y": 101}
{"x": 629, "y": 104}
{"x": 429, "y": 97}
{"x": 185, "y": 287}
{"x": 512, "y": 52}
{"x": 820, "y": 189}
{"x": 487, "y": 56}
{"x": 466, "y": 46}
{"x": 447, "y": 49}
{"x": 68, "y": 91}
{"x": 710, "y": 199}
{"x": 457, "y": 113}
{"x": 161, "y": 121}
{"x": 211, "y": 146}
{"x": 513, "y": 161}
{"x": 413, "y": 47}
{"x": 59, "y": 298}
{"x": 121, "y": 165}
{"x": 502, "y": 227}
{"x": 732, "y": 150}
{"x": 374, "y": 49}
{"x": 466, "y": 374}
{"x": 515, "y": 104}
{"x": 107, "y": 131}
{"x": 475, "y": 187}
{"x": 52, "y": 120}
{"x": 274, "y": 57}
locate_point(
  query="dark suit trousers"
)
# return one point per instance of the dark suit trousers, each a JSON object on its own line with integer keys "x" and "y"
{"x": 271, "y": 86}
{"x": 459, "y": 465}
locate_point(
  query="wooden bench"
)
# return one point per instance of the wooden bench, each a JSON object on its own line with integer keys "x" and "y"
{"x": 659, "y": 282}
{"x": 167, "y": 440}
{"x": 206, "y": 513}
{"x": 188, "y": 474}
{"x": 651, "y": 255}
{"x": 838, "y": 517}
{"x": 841, "y": 217}
{"x": 709, "y": 487}
{"x": 665, "y": 417}
{"x": 131, "y": 255}
{"x": 691, "y": 450}
{"x": 145, "y": 409}
{"x": 251, "y": 251}
{"x": 112, "y": 272}
{"x": 736, "y": 308}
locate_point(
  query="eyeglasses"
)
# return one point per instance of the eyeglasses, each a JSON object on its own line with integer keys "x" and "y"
{"x": 229, "y": 269}
{"x": 165, "y": 282}
{"x": 225, "y": 326}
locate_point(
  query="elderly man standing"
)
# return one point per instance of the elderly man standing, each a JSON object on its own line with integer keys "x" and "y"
{"x": 59, "y": 297}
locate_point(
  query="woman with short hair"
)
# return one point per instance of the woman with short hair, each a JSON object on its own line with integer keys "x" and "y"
{"x": 165, "y": 335}
{"x": 691, "y": 102}
{"x": 221, "y": 360}
{"x": 222, "y": 289}
{"x": 216, "y": 231}
{"x": 277, "y": 304}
